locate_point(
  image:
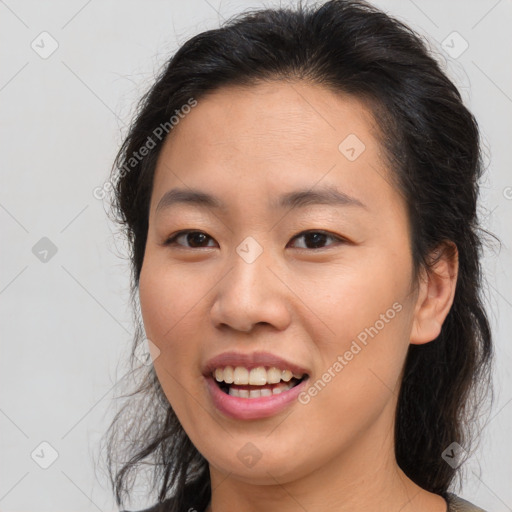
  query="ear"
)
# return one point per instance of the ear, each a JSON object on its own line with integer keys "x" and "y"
{"x": 436, "y": 293}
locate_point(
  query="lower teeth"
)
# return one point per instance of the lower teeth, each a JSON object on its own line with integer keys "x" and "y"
{"x": 258, "y": 393}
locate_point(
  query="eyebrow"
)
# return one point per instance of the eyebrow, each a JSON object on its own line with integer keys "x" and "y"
{"x": 327, "y": 195}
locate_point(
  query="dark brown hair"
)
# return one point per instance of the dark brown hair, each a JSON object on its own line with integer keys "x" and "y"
{"x": 433, "y": 148}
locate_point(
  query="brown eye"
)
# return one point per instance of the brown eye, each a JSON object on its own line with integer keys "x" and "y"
{"x": 315, "y": 239}
{"x": 196, "y": 239}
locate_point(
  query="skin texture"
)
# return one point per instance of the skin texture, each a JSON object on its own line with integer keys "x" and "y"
{"x": 307, "y": 305}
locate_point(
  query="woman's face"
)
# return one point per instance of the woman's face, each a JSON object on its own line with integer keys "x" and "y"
{"x": 253, "y": 291}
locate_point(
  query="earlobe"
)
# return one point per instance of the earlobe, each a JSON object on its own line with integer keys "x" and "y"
{"x": 436, "y": 294}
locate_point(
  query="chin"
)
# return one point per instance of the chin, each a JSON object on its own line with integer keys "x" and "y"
{"x": 259, "y": 462}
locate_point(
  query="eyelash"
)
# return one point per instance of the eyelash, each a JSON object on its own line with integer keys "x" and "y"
{"x": 172, "y": 239}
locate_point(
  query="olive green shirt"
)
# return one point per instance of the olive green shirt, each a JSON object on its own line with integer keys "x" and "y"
{"x": 455, "y": 504}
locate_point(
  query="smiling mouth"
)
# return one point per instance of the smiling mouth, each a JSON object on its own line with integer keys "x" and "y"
{"x": 257, "y": 391}
{"x": 258, "y": 382}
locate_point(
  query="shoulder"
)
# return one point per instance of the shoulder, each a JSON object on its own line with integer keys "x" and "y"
{"x": 164, "y": 506}
{"x": 457, "y": 504}
{"x": 159, "y": 507}
{"x": 195, "y": 497}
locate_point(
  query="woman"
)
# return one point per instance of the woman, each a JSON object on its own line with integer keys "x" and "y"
{"x": 299, "y": 193}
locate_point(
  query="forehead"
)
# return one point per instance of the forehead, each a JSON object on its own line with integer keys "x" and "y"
{"x": 274, "y": 119}
{"x": 274, "y": 136}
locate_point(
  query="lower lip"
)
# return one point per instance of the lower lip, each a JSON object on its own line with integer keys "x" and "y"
{"x": 252, "y": 408}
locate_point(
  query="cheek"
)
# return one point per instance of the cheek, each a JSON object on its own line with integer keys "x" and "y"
{"x": 368, "y": 315}
{"x": 156, "y": 300}
{"x": 167, "y": 314}
{"x": 167, "y": 299}
{"x": 171, "y": 312}
{"x": 352, "y": 296}
{"x": 357, "y": 384}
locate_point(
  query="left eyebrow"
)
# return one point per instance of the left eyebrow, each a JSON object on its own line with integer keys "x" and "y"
{"x": 328, "y": 195}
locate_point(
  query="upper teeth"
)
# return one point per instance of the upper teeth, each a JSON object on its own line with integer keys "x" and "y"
{"x": 257, "y": 376}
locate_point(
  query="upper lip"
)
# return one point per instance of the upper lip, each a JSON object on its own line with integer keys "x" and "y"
{"x": 250, "y": 361}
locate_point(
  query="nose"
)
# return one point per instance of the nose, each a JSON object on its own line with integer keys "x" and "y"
{"x": 251, "y": 294}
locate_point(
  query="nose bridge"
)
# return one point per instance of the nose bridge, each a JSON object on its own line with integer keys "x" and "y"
{"x": 250, "y": 294}
{"x": 250, "y": 261}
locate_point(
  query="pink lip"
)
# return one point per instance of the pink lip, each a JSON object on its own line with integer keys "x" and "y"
{"x": 252, "y": 408}
{"x": 249, "y": 361}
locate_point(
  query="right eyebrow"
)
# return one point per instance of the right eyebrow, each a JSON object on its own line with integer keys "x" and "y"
{"x": 328, "y": 195}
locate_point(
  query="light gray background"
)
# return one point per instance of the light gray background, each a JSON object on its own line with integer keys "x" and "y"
{"x": 66, "y": 322}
